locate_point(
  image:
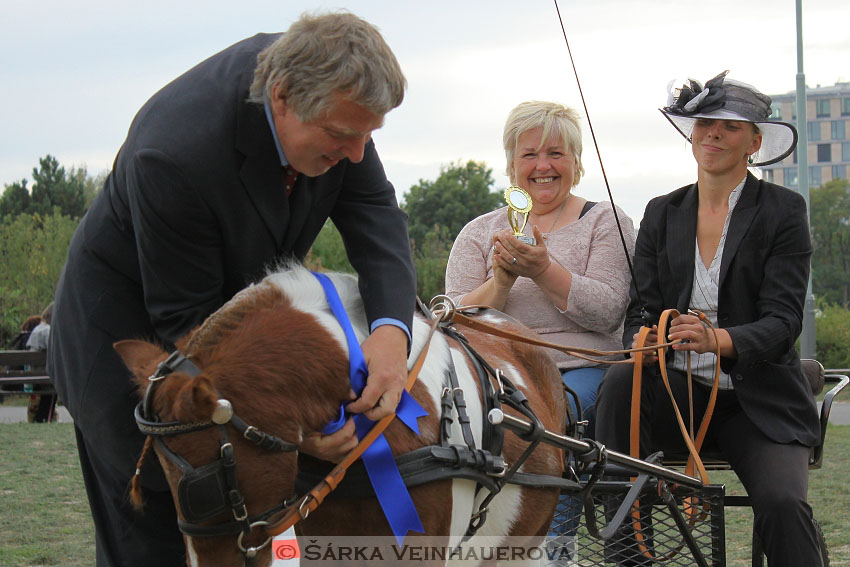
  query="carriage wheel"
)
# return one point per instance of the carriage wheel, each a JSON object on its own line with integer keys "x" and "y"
{"x": 824, "y": 552}
{"x": 758, "y": 552}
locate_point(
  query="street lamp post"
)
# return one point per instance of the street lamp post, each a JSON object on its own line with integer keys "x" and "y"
{"x": 807, "y": 339}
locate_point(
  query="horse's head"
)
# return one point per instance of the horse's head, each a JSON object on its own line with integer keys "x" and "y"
{"x": 252, "y": 363}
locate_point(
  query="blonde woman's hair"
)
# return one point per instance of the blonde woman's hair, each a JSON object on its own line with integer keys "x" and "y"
{"x": 321, "y": 55}
{"x": 555, "y": 119}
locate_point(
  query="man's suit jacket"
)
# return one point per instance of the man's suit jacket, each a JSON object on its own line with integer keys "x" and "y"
{"x": 193, "y": 211}
{"x": 763, "y": 278}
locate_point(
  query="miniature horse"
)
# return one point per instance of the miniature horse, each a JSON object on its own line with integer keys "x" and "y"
{"x": 278, "y": 355}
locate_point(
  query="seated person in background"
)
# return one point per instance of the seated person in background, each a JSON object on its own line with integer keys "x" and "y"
{"x": 571, "y": 287}
{"x": 37, "y": 339}
{"x": 737, "y": 249}
{"x": 42, "y": 407}
{"x": 20, "y": 340}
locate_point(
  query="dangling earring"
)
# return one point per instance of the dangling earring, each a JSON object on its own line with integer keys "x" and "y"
{"x": 750, "y": 159}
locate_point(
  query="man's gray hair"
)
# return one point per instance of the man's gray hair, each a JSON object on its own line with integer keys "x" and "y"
{"x": 324, "y": 54}
{"x": 555, "y": 119}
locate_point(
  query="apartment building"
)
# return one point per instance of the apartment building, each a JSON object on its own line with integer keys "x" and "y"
{"x": 828, "y": 129}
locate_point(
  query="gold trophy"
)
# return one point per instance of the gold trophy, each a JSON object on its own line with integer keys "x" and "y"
{"x": 519, "y": 205}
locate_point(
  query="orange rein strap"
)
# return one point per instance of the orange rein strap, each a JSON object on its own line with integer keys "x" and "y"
{"x": 310, "y": 501}
{"x": 694, "y": 444}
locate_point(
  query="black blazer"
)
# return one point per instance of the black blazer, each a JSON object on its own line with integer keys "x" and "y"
{"x": 763, "y": 278}
{"x": 193, "y": 211}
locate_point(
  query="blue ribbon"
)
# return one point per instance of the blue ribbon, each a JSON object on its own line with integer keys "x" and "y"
{"x": 380, "y": 464}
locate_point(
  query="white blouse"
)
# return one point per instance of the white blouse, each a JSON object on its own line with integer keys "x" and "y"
{"x": 704, "y": 298}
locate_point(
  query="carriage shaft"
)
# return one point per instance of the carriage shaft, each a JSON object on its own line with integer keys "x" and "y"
{"x": 522, "y": 427}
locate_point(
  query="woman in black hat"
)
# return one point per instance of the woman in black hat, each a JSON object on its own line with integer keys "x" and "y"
{"x": 737, "y": 249}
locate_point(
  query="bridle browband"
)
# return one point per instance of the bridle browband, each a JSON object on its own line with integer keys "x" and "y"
{"x": 210, "y": 490}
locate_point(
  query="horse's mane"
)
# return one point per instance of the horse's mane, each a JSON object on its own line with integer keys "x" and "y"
{"x": 230, "y": 315}
{"x": 286, "y": 283}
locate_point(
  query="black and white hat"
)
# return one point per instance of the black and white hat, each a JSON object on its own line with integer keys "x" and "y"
{"x": 727, "y": 99}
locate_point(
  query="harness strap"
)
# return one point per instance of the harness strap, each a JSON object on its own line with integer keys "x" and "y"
{"x": 237, "y": 501}
{"x": 514, "y": 397}
{"x": 446, "y": 405}
{"x": 228, "y": 528}
{"x": 420, "y": 466}
{"x": 260, "y": 438}
{"x": 453, "y": 398}
{"x": 434, "y": 463}
{"x": 492, "y": 438}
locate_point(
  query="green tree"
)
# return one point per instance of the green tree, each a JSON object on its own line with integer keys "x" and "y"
{"x": 33, "y": 249}
{"x": 833, "y": 337}
{"x": 54, "y": 187}
{"x": 430, "y": 258}
{"x": 91, "y": 185}
{"x": 15, "y": 199}
{"x": 830, "y": 215}
{"x": 71, "y": 190}
{"x": 437, "y": 210}
{"x": 459, "y": 194}
{"x": 328, "y": 251}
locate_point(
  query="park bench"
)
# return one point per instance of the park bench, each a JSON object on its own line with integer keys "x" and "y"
{"x": 19, "y": 367}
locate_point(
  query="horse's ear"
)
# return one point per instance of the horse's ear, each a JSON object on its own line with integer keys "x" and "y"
{"x": 141, "y": 358}
{"x": 196, "y": 400}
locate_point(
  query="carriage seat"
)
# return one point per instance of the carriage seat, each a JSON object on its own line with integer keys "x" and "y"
{"x": 817, "y": 377}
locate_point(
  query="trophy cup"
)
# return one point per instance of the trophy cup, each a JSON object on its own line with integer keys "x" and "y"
{"x": 519, "y": 205}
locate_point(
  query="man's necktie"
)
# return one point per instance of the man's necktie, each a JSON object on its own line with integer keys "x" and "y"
{"x": 291, "y": 176}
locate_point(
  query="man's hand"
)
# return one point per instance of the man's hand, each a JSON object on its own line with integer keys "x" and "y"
{"x": 385, "y": 351}
{"x": 333, "y": 447}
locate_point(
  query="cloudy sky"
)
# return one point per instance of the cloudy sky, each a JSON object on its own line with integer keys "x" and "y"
{"x": 75, "y": 73}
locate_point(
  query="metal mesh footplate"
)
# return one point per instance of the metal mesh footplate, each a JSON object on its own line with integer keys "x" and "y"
{"x": 655, "y": 538}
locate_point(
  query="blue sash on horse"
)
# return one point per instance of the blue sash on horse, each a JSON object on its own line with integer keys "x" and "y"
{"x": 388, "y": 484}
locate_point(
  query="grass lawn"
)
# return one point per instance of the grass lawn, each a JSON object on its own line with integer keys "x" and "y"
{"x": 44, "y": 515}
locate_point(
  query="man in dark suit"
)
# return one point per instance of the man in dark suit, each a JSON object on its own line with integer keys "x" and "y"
{"x": 231, "y": 168}
{"x": 737, "y": 249}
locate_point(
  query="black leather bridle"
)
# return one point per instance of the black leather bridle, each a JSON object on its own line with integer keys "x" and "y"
{"x": 210, "y": 490}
